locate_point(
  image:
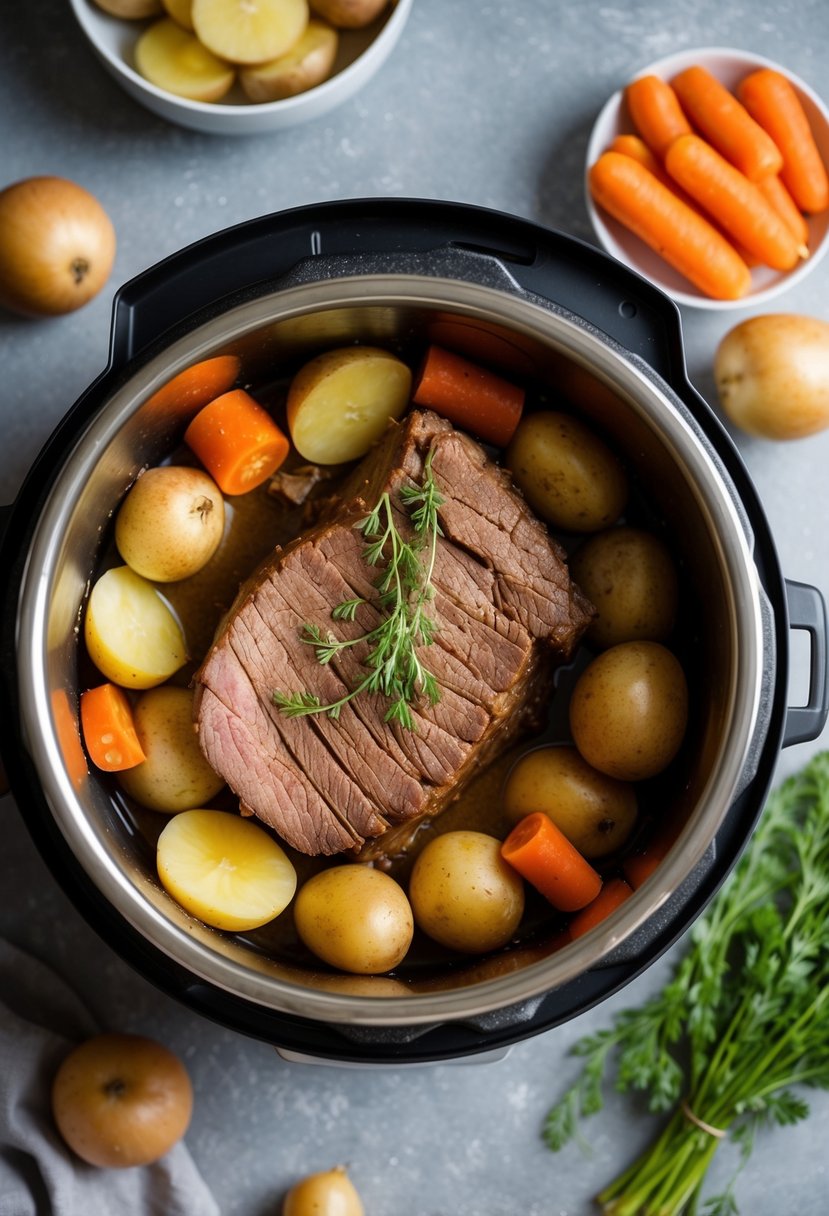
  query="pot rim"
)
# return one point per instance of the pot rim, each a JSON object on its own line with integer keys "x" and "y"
{"x": 628, "y": 375}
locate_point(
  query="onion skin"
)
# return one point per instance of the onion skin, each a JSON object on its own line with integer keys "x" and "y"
{"x": 57, "y": 246}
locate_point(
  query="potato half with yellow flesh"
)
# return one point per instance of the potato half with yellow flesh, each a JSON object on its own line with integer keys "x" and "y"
{"x": 131, "y": 634}
{"x": 340, "y": 403}
{"x": 249, "y": 31}
{"x": 224, "y": 870}
{"x": 174, "y": 60}
{"x": 305, "y": 65}
{"x": 181, "y": 11}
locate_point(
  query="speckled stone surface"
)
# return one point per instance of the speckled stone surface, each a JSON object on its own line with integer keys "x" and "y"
{"x": 489, "y": 103}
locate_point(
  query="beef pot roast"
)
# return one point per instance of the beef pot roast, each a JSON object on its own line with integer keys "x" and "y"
{"x": 507, "y": 615}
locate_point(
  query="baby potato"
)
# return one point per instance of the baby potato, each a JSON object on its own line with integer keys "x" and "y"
{"x": 131, "y": 635}
{"x": 349, "y": 14}
{"x": 464, "y": 895}
{"x": 630, "y": 578}
{"x": 355, "y": 918}
{"x": 595, "y": 812}
{"x": 341, "y": 402}
{"x": 170, "y": 523}
{"x": 566, "y": 473}
{"x": 175, "y": 775}
{"x": 331, "y": 1193}
{"x": 629, "y": 710}
{"x": 305, "y": 65}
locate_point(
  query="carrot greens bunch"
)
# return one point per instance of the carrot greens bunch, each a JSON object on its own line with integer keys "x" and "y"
{"x": 743, "y": 1020}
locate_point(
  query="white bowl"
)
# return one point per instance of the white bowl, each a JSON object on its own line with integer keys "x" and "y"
{"x": 729, "y": 66}
{"x": 360, "y": 54}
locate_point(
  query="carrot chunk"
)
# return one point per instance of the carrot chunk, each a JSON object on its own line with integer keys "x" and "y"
{"x": 108, "y": 729}
{"x": 237, "y": 441}
{"x": 674, "y": 230}
{"x": 772, "y": 101}
{"x": 471, "y": 396}
{"x": 543, "y": 855}
{"x": 656, "y": 113}
{"x": 726, "y": 123}
{"x": 775, "y": 192}
{"x": 612, "y": 895}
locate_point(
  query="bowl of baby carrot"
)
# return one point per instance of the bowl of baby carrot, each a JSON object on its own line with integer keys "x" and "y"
{"x": 707, "y": 174}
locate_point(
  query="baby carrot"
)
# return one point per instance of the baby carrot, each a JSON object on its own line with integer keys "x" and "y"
{"x": 108, "y": 729}
{"x": 733, "y": 201}
{"x": 679, "y": 234}
{"x": 771, "y": 99}
{"x": 469, "y": 395}
{"x": 612, "y": 895}
{"x": 726, "y": 123}
{"x": 237, "y": 441}
{"x": 543, "y": 855}
{"x": 657, "y": 115}
{"x": 637, "y": 149}
{"x": 775, "y": 192}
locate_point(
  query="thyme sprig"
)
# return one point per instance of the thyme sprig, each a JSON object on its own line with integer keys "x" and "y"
{"x": 744, "y": 1018}
{"x": 404, "y": 591}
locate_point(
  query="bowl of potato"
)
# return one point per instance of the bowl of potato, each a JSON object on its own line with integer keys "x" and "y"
{"x": 228, "y": 68}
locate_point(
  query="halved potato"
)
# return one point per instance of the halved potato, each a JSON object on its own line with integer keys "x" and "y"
{"x": 340, "y": 403}
{"x": 181, "y": 11}
{"x": 131, "y": 635}
{"x": 249, "y": 31}
{"x": 305, "y": 65}
{"x": 174, "y": 60}
{"x": 349, "y": 14}
{"x": 225, "y": 870}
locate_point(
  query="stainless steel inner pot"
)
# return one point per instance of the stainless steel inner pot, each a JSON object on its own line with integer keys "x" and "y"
{"x": 400, "y": 300}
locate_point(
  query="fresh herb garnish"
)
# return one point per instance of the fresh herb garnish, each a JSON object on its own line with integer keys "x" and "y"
{"x": 404, "y": 590}
{"x": 744, "y": 1018}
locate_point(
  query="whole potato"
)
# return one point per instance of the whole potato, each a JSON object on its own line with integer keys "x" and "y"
{"x": 355, "y": 918}
{"x": 464, "y": 895}
{"x": 134, "y": 10}
{"x": 595, "y": 812}
{"x": 348, "y": 14}
{"x": 170, "y": 523}
{"x": 629, "y": 710}
{"x": 330, "y": 1193}
{"x": 630, "y": 578}
{"x": 566, "y": 473}
{"x": 175, "y": 775}
{"x": 772, "y": 375}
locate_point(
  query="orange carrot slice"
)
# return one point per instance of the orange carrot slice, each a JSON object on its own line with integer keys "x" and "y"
{"x": 196, "y": 385}
{"x": 469, "y": 395}
{"x": 543, "y": 855}
{"x": 612, "y": 895}
{"x": 734, "y": 202}
{"x": 656, "y": 113}
{"x": 109, "y": 730}
{"x": 772, "y": 101}
{"x": 726, "y": 123}
{"x": 674, "y": 230}
{"x": 237, "y": 441}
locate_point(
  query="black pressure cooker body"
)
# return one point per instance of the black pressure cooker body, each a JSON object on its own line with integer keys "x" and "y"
{"x": 372, "y": 242}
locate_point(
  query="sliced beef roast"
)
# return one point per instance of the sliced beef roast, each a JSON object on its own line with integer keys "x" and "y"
{"x": 506, "y": 612}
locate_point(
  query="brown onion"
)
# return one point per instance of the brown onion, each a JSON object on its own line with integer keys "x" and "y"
{"x": 57, "y": 246}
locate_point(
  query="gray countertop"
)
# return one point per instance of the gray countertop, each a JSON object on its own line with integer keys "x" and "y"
{"x": 489, "y": 103}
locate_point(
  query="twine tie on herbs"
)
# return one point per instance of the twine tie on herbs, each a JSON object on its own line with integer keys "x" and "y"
{"x": 717, "y": 1132}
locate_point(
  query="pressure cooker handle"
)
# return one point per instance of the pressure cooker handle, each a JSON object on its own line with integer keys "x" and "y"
{"x": 807, "y": 610}
{"x": 333, "y": 239}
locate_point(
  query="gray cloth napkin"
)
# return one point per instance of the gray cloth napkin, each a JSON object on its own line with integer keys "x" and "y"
{"x": 41, "y": 1019}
